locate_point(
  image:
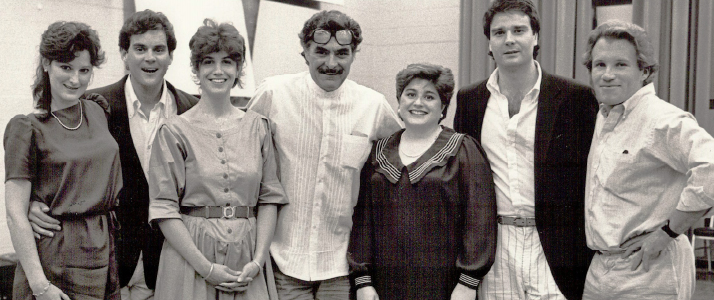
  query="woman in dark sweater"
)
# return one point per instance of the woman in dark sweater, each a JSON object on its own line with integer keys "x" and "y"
{"x": 425, "y": 223}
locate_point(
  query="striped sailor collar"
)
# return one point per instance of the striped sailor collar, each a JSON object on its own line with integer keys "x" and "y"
{"x": 388, "y": 163}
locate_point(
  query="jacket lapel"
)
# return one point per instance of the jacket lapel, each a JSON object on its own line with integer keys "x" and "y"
{"x": 548, "y": 103}
{"x": 182, "y": 103}
{"x": 483, "y": 94}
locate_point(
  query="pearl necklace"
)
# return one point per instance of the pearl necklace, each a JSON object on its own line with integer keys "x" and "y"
{"x": 80, "y": 119}
{"x": 420, "y": 153}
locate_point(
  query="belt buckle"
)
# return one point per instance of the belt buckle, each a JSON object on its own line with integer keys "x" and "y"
{"x": 227, "y": 209}
{"x": 520, "y": 222}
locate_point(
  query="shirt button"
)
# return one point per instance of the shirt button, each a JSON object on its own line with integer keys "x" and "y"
{"x": 218, "y": 135}
{"x": 220, "y": 149}
{"x": 223, "y": 161}
{"x": 225, "y": 190}
{"x": 230, "y": 230}
{"x": 225, "y": 176}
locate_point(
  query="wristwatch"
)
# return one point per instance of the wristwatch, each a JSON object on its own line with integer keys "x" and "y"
{"x": 669, "y": 231}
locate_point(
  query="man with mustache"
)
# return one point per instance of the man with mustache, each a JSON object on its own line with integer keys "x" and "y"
{"x": 139, "y": 103}
{"x": 536, "y": 130}
{"x": 323, "y": 126}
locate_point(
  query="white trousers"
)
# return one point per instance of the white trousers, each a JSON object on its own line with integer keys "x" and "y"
{"x": 672, "y": 275}
{"x": 520, "y": 270}
{"x": 137, "y": 289}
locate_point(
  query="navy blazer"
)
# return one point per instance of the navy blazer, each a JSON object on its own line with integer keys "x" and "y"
{"x": 565, "y": 122}
{"x": 135, "y": 235}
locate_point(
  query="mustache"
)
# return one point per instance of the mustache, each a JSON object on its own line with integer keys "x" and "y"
{"x": 330, "y": 71}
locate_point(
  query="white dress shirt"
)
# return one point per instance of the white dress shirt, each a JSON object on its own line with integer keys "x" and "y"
{"x": 143, "y": 128}
{"x": 509, "y": 144}
{"x": 322, "y": 140}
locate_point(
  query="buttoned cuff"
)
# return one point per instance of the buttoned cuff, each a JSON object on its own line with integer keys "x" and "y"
{"x": 363, "y": 281}
{"x": 469, "y": 281}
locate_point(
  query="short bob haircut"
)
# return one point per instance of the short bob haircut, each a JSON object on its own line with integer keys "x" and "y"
{"x": 501, "y": 6}
{"x": 143, "y": 21}
{"x": 441, "y": 77}
{"x": 61, "y": 42}
{"x": 330, "y": 20}
{"x": 616, "y": 29}
{"x": 212, "y": 38}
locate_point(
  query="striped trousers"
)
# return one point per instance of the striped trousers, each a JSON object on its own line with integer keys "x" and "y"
{"x": 520, "y": 270}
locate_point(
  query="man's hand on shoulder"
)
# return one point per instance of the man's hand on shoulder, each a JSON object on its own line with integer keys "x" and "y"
{"x": 42, "y": 224}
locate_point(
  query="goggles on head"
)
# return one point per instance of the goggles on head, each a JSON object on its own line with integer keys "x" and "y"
{"x": 322, "y": 36}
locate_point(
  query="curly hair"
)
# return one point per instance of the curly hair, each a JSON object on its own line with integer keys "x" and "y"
{"x": 441, "y": 77}
{"x": 213, "y": 37}
{"x": 501, "y": 6}
{"x": 61, "y": 42}
{"x": 636, "y": 35}
{"x": 331, "y": 20}
{"x": 143, "y": 21}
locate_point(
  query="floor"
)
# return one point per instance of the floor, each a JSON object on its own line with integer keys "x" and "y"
{"x": 705, "y": 285}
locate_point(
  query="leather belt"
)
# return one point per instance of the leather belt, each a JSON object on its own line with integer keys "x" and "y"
{"x": 516, "y": 221}
{"x": 215, "y": 212}
{"x": 611, "y": 252}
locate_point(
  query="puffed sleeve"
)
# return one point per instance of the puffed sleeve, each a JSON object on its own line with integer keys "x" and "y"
{"x": 479, "y": 199}
{"x": 359, "y": 253}
{"x": 20, "y": 152}
{"x": 271, "y": 191}
{"x": 262, "y": 101}
{"x": 167, "y": 174}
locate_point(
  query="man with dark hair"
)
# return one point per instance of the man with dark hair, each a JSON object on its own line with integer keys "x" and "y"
{"x": 323, "y": 126}
{"x": 139, "y": 103}
{"x": 536, "y": 129}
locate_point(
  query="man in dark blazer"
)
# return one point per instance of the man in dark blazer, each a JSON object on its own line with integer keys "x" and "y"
{"x": 536, "y": 129}
{"x": 139, "y": 103}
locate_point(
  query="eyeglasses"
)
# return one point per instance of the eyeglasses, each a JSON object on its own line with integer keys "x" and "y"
{"x": 322, "y": 36}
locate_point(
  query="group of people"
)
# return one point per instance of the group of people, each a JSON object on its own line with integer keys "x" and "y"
{"x": 544, "y": 189}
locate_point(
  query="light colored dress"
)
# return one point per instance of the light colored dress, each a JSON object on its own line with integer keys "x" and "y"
{"x": 195, "y": 164}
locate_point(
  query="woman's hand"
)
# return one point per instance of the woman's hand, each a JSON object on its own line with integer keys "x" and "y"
{"x": 367, "y": 293}
{"x": 52, "y": 293}
{"x": 221, "y": 275}
{"x": 250, "y": 270}
{"x": 461, "y": 292}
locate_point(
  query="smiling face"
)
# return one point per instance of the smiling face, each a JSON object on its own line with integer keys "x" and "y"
{"x": 147, "y": 58}
{"x": 615, "y": 76}
{"x": 512, "y": 39}
{"x": 69, "y": 80}
{"x": 217, "y": 73}
{"x": 420, "y": 105}
{"x": 329, "y": 63}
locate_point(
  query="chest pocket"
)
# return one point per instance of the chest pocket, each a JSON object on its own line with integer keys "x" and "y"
{"x": 626, "y": 174}
{"x": 354, "y": 151}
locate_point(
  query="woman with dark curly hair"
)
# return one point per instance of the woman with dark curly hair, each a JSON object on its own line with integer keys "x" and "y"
{"x": 424, "y": 225}
{"x": 64, "y": 156}
{"x": 211, "y": 167}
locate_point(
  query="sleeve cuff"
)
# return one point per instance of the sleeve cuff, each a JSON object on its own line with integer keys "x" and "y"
{"x": 363, "y": 281}
{"x": 469, "y": 281}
